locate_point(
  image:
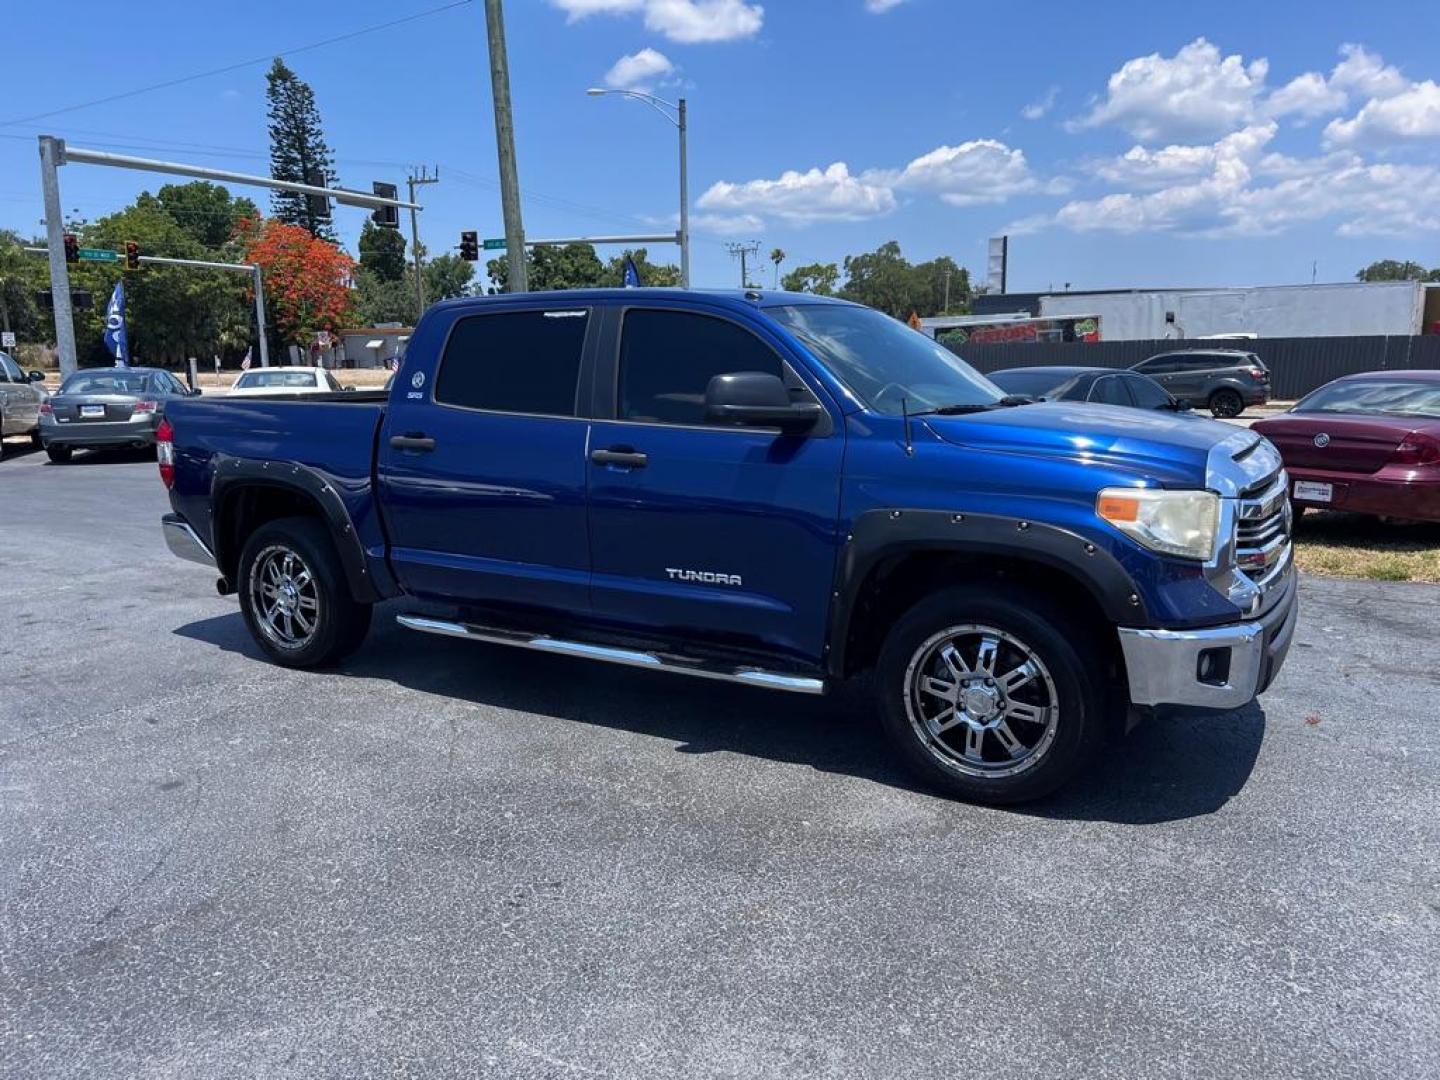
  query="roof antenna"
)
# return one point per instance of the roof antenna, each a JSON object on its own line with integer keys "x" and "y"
{"x": 905, "y": 412}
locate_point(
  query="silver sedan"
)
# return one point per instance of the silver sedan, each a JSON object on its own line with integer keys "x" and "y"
{"x": 107, "y": 407}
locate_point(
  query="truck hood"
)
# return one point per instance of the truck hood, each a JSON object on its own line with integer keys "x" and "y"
{"x": 1168, "y": 449}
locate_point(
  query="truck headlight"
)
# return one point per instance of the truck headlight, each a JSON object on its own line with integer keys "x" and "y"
{"x": 1184, "y": 523}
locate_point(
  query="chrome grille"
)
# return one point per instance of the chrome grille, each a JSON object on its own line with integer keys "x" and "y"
{"x": 1262, "y": 530}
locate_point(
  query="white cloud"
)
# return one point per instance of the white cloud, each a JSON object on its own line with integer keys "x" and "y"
{"x": 1141, "y": 167}
{"x": 1197, "y": 92}
{"x": 686, "y": 21}
{"x": 979, "y": 171}
{"x": 1308, "y": 95}
{"x": 829, "y": 195}
{"x": 727, "y": 224}
{"x": 1414, "y": 113}
{"x": 639, "y": 70}
{"x": 1366, "y": 73}
{"x": 879, "y": 7}
{"x": 1042, "y": 105}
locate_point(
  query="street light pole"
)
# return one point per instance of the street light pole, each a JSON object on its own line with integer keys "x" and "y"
{"x": 681, "y": 122}
{"x": 684, "y": 200}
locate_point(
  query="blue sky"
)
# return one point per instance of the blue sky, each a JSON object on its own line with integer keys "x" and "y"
{"x": 1119, "y": 144}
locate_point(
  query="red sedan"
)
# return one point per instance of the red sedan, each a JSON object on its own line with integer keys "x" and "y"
{"x": 1366, "y": 444}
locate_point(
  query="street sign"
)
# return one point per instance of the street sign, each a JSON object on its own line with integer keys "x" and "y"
{"x": 494, "y": 244}
{"x": 7, "y": 339}
{"x": 98, "y": 255}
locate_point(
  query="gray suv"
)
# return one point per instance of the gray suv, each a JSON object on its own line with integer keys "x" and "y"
{"x": 1225, "y": 381}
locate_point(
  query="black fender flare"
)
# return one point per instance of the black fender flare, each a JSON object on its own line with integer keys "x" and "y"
{"x": 880, "y": 534}
{"x": 232, "y": 474}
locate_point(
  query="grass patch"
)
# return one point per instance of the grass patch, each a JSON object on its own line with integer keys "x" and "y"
{"x": 1353, "y": 546}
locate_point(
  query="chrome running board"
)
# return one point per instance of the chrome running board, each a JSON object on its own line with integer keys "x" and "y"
{"x": 774, "y": 680}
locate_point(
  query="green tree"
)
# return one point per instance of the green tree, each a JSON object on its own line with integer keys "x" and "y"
{"x": 382, "y": 300}
{"x": 883, "y": 279}
{"x": 818, "y": 278}
{"x": 448, "y": 276}
{"x": 574, "y": 266}
{"x": 205, "y": 212}
{"x": 656, "y": 274}
{"x": 21, "y": 276}
{"x": 777, "y": 256}
{"x": 382, "y": 251}
{"x": 930, "y": 284}
{"x": 1393, "y": 270}
{"x": 172, "y": 312}
{"x": 297, "y": 145}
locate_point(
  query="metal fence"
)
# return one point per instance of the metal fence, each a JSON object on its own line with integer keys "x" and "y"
{"x": 1297, "y": 365}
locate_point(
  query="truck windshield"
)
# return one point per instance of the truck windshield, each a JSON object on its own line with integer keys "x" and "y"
{"x": 884, "y": 361}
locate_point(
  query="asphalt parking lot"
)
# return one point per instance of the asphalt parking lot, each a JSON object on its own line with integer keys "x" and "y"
{"x": 447, "y": 859}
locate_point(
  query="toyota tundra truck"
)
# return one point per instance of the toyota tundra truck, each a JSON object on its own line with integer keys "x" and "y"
{"x": 779, "y": 490}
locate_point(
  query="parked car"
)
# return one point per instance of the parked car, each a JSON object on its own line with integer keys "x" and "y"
{"x": 1104, "y": 386}
{"x": 100, "y": 407}
{"x": 1225, "y": 381}
{"x": 781, "y": 491}
{"x": 21, "y": 395}
{"x": 1369, "y": 444}
{"x": 269, "y": 382}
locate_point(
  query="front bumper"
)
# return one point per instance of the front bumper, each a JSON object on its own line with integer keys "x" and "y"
{"x": 1217, "y": 667}
{"x": 184, "y": 541}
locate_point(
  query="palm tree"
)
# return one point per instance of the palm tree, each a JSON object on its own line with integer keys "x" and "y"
{"x": 777, "y": 256}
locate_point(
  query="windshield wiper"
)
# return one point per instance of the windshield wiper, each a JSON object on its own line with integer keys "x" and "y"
{"x": 1009, "y": 401}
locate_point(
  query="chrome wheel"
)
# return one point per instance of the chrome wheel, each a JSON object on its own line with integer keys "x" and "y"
{"x": 981, "y": 701}
{"x": 284, "y": 597}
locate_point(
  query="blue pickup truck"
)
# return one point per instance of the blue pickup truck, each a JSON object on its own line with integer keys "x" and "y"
{"x": 780, "y": 490}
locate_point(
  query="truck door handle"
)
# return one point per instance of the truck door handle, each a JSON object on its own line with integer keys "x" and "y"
{"x": 412, "y": 440}
{"x": 623, "y": 456}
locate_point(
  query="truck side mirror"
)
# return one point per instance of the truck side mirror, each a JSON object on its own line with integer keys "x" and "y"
{"x": 757, "y": 399}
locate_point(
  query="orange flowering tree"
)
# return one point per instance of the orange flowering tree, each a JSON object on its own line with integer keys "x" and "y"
{"x": 307, "y": 281}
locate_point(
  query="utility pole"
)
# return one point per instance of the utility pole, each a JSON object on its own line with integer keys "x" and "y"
{"x": 945, "y": 310}
{"x": 414, "y": 182}
{"x": 52, "y": 155}
{"x": 505, "y": 146}
{"x": 743, "y": 252}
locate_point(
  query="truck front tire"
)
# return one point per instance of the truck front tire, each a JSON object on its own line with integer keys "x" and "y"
{"x": 294, "y": 598}
{"x": 993, "y": 697}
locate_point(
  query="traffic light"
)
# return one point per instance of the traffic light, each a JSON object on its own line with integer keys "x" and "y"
{"x": 72, "y": 248}
{"x": 386, "y": 216}
{"x": 319, "y": 205}
{"x": 470, "y": 246}
{"x": 132, "y": 255}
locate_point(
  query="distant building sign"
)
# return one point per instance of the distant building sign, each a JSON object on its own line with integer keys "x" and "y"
{"x": 1008, "y": 331}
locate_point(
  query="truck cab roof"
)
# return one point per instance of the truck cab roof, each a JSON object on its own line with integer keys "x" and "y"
{"x": 747, "y": 298}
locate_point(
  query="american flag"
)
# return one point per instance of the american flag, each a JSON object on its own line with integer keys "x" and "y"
{"x": 245, "y": 363}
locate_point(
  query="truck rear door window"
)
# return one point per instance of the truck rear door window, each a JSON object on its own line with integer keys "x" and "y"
{"x": 667, "y": 359}
{"x": 514, "y": 361}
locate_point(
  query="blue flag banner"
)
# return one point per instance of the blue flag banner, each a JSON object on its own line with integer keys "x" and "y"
{"x": 115, "y": 343}
{"x": 632, "y": 275}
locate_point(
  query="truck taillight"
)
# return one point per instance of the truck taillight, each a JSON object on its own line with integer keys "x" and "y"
{"x": 165, "y": 452}
{"x": 1417, "y": 448}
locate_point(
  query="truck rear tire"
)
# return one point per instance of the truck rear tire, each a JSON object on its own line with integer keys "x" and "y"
{"x": 294, "y": 598}
{"x": 991, "y": 696}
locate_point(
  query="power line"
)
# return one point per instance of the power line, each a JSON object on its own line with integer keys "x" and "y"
{"x": 240, "y": 64}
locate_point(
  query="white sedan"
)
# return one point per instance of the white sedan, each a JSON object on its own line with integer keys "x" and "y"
{"x": 262, "y": 382}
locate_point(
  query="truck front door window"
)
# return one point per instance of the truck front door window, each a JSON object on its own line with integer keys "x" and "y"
{"x": 667, "y": 359}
